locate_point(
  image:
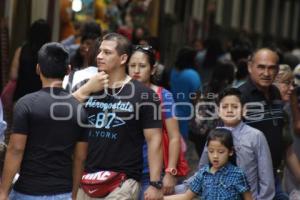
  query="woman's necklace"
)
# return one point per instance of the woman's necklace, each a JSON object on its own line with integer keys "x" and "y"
{"x": 114, "y": 94}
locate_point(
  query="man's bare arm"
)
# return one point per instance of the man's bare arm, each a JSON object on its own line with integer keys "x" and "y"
{"x": 154, "y": 138}
{"x": 80, "y": 154}
{"x": 13, "y": 159}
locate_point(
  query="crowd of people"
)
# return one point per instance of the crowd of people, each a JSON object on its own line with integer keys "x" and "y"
{"x": 104, "y": 119}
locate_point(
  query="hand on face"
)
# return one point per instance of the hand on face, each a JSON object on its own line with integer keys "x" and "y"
{"x": 97, "y": 82}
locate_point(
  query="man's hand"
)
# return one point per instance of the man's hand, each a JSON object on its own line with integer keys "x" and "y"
{"x": 96, "y": 83}
{"x": 153, "y": 193}
{"x": 169, "y": 183}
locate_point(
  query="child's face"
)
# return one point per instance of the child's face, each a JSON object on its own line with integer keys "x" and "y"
{"x": 230, "y": 110}
{"x": 218, "y": 154}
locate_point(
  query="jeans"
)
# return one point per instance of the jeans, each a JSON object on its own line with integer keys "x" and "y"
{"x": 144, "y": 185}
{"x": 14, "y": 195}
{"x": 279, "y": 193}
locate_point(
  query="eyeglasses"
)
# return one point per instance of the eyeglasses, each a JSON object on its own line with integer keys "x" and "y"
{"x": 288, "y": 83}
{"x": 145, "y": 48}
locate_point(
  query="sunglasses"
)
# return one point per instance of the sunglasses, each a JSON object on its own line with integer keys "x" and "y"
{"x": 145, "y": 48}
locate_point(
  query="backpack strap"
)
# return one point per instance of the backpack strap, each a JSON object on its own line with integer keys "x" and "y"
{"x": 70, "y": 80}
{"x": 159, "y": 93}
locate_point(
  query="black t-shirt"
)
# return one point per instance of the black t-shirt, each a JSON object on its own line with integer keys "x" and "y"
{"x": 50, "y": 119}
{"x": 266, "y": 116}
{"x": 298, "y": 95}
{"x": 117, "y": 123}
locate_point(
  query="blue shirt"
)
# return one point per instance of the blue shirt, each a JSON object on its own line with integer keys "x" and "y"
{"x": 183, "y": 84}
{"x": 229, "y": 182}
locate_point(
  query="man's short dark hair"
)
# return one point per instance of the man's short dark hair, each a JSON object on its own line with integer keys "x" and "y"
{"x": 91, "y": 30}
{"x": 185, "y": 58}
{"x": 230, "y": 92}
{"x": 241, "y": 49}
{"x": 53, "y": 60}
{"x": 123, "y": 44}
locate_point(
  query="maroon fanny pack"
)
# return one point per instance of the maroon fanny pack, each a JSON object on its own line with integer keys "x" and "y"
{"x": 101, "y": 183}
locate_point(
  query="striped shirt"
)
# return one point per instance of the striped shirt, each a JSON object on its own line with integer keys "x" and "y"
{"x": 265, "y": 115}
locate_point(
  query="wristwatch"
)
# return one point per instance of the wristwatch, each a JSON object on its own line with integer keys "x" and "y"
{"x": 172, "y": 171}
{"x": 156, "y": 184}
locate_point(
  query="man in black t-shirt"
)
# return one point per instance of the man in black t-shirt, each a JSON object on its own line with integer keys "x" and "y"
{"x": 47, "y": 145}
{"x": 264, "y": 106}
{"x": 121, "y": 116}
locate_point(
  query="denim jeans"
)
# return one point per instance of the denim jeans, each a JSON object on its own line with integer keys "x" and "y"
{"x": 144, "y": 185}
{"x": 14, "y": 195}
{"x": 279, "y": 193}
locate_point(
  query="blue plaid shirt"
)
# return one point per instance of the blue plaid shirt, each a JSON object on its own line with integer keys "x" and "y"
{"x": 228, "y": 183}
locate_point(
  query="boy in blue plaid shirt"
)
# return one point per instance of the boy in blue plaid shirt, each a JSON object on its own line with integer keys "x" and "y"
{"x": 220, "y": 179}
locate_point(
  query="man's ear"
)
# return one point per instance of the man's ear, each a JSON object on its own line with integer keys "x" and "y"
{"x": 249, "y": 65}
{"x": 124, "y": 59}
{"x": 231, "y": 152}
{"x": 244, "y": 112}
{"x": 38, "y": 69}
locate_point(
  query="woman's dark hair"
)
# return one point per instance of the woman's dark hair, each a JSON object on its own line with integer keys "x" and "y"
{"x": 224, "y": 136}
{"x": 214, "y": 49}
{"x": 93, "y": 52}
{"x": 222, "y": 76}
{"x": 91, "y": 30}
{"x": 242, "y": 69}
{"x": 185, "y": 58}
{"x": 241, "y": 49}
{"x": 39, "y": 34}
{"x": 147, "y": 50}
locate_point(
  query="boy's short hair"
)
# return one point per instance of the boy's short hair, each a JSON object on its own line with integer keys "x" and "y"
{"x": 53, "y": 60}
{"x": 230, "y": 92}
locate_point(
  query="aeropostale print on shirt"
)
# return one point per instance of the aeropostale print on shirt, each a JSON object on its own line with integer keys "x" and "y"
{"x": 107, "y": 117}
{"x": 116, "y": 124}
